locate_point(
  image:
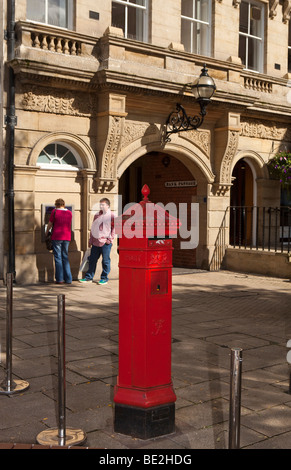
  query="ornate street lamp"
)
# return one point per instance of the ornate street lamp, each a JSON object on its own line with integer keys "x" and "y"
{"x": 178, "y": 121}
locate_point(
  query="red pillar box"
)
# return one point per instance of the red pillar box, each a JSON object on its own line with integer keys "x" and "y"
{"x": 144, "y": 395}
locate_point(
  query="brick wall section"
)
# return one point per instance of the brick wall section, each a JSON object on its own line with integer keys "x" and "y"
{"x": 155, "y": 175}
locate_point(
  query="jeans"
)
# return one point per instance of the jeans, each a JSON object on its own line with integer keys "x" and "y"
{"x": 96, "y": 251}
{"x": 62, "y": 264}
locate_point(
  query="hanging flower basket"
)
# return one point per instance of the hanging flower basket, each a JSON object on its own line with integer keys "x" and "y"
{"x": 280, "y": 168}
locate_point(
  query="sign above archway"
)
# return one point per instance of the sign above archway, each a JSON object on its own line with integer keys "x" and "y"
{"x": 180, "y": 184}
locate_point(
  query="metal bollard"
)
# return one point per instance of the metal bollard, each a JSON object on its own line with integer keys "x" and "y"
{"x": 235, "y": 398}
{"x": 62, "y": 435}
{"x": 288, "y": 357}
{"x": 9, "y": 385}
{"x": 61, "y": 368}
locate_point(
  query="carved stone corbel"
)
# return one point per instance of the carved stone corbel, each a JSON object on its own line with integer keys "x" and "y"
{"x": 108, "y": 168}
{"x": 232, "y": 143}
{"x": 272, "y": 8}
{"x": 236, "y": 3}
{"x": 219, "y": 189}
{"x": 286, "y": 10}
{"x": 103, "y": 185}
{"x": 110, "y": 125}
{"x": 226, "y": 138}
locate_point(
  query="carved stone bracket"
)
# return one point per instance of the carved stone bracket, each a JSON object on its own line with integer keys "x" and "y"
{"x": 103, "y": 185}
{"x": 286, "y": 10}
{"x": 272, "y": 8}
{"x": 219, "y": 189}
{"x": 108, "y": 168}
{"x": 236, "y": 3}
{"x": 232, "y": 143}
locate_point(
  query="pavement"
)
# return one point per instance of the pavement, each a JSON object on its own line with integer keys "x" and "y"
{"x": 212, "y": 312}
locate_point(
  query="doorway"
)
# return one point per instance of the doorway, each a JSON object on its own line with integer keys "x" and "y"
{"x": 242, "y": 204}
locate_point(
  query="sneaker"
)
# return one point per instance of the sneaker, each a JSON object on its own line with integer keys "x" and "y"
{"x": 85, "y": 281}
{"x": 102, "y": 282}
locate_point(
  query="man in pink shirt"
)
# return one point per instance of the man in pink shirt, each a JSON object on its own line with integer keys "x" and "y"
{"x": 101, "y": 237}
{"x": 61, "y": 222}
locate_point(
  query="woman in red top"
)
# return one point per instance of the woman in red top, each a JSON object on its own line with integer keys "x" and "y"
{"x": 61, "y": 222}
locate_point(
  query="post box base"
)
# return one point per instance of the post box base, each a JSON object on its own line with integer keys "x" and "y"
{"x": 144, "y": 423}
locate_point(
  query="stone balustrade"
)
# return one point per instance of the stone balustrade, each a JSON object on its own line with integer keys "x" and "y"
{"x": 54, "y": 43}
{"x": 49, "y": 38}
{"x": 257, "y": 84}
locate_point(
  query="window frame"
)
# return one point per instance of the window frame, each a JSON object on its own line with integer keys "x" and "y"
{"x": 261, "y": 57}
{"x": 60, "y": 167}
{"x": 196, "y": 21}
{"x": 128, "y": 4}
{"x": 69, "y": 16}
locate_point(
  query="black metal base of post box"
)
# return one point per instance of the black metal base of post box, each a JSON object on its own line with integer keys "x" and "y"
{"x": 144, "y": 423}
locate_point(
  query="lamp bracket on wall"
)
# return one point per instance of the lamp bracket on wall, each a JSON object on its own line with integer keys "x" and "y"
{"x": 179, "y": 121}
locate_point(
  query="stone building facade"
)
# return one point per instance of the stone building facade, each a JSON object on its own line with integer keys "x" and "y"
{"x": 94, "y": 85}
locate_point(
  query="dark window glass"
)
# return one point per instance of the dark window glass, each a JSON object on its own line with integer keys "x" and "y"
{"x": 130, "y": 16}
{"x": 118, "y": 15}
{"x": 242, "y": 49}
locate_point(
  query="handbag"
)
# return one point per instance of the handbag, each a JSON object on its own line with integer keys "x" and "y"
{"x": 48, "y": 238}
{"x": 48, "y": 241}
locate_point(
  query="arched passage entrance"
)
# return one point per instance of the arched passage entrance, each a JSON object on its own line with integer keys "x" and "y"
{"x": 170, "y": 181}
{"x": 242, "y": 203}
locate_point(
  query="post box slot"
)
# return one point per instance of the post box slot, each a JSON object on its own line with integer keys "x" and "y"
{"x": 159, "y": 282}
{"x": 160, "y": 242}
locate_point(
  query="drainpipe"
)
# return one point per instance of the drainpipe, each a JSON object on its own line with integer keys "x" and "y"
{"x": 10, "y": 121}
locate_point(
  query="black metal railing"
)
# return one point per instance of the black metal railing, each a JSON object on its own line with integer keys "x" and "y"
{"x": 260, "y": 228}
{"x": 220, "y": 244}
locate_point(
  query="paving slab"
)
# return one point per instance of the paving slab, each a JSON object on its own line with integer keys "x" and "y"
{"x": 212, "y": 312}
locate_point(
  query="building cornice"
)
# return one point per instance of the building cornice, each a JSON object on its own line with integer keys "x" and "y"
{"x": 90, "y": 64}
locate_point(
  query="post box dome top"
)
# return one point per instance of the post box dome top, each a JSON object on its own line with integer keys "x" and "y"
{"x": 145, "y": 192}
{"x": 148, "y": 218}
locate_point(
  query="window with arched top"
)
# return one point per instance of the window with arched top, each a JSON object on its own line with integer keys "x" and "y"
{"x": 59, "y": 156}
